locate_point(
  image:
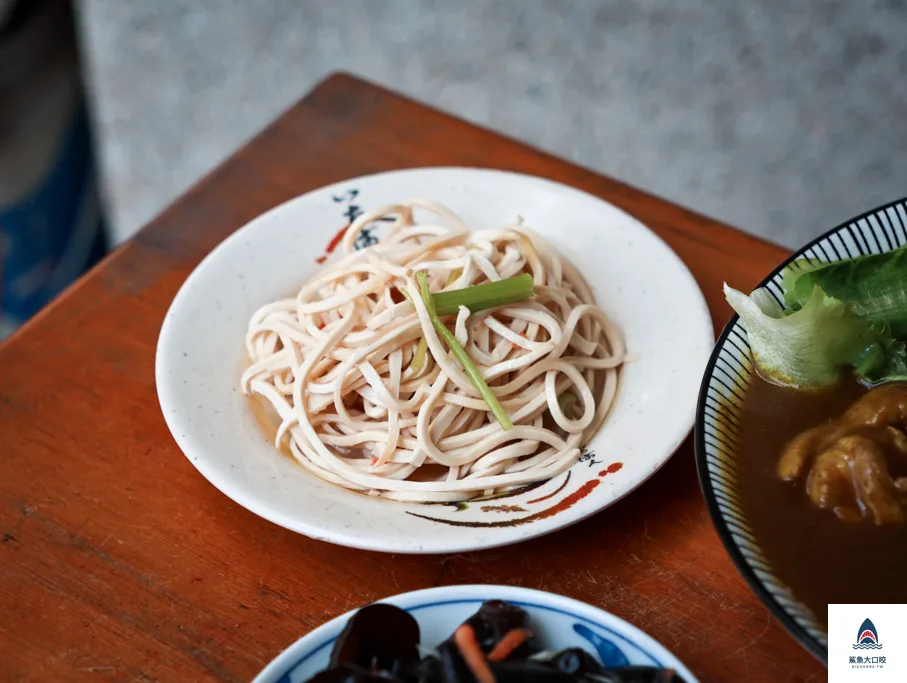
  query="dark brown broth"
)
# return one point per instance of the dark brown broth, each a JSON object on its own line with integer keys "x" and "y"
{"x": 821, "y": 558}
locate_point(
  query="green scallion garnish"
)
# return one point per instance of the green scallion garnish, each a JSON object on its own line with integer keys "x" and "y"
{"x": 567, "y": 403}
{"x": 472, "y": 372}
{"x": 482, "y": 297}
{"x": 419, "y": 356}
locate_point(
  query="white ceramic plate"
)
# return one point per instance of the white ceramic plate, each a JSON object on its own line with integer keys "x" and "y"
{"x": 642, "y": 285}
{"x": 558, "y": 622}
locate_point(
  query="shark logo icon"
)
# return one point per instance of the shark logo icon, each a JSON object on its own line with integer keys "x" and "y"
{"x": 867, "y": 637}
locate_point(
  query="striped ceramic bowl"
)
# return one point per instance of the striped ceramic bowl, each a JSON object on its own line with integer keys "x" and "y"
{"x": 727, "y": 375}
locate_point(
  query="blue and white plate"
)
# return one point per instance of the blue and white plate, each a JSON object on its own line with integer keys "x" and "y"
{"x": 557, "y": 621}
{"x": 726, "y": 378}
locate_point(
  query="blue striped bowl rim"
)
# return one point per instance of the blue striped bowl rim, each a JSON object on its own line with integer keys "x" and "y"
{"x": 727, "y": 375}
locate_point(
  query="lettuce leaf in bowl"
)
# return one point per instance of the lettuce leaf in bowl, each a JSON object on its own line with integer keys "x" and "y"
{"x": 874, "y": 285}
{"x": 810, "y": 347}
{"x": 846, "y": 316}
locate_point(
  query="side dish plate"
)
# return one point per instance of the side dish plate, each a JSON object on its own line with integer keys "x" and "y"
{"x": 559, "y": 623}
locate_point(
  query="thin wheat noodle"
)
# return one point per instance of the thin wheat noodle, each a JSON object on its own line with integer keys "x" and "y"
{"x": 360, "y": 405}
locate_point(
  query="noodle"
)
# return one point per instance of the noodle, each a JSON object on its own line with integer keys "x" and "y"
{"x": 361, "y": 407}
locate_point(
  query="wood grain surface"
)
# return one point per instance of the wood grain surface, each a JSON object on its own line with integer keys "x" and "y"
{"x": 118, "y": 561}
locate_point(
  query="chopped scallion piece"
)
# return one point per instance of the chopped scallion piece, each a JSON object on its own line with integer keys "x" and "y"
{"x": 482, "y": 297}
{"x": 472, "y": 372}
{"x": 419, "y": 356}
{"x": 454, "y": 276}
{"x": 567, "y": 403}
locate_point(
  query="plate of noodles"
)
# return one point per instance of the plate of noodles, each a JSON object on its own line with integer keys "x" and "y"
{"x": 434, "y": 360}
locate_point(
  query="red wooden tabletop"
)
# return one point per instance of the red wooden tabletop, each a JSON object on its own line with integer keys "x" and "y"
{"x": 118, "y": 561}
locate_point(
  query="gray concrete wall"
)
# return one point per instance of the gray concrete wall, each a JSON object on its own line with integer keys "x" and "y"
{"x": 783, "y": 118}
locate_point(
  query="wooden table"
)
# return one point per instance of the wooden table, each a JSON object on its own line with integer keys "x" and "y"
{"x": 120, "y": 562}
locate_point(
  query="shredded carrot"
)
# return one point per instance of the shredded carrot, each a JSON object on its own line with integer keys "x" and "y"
{"x": 465, "y": 640}
{"x": 510, "y": 642}
{"x": 374, "y": 461}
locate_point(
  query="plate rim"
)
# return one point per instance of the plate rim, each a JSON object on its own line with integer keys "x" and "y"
{"x": 298, "y": 525}
{"x": 705, "y": 480}
{"x": 278, "y": 666}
